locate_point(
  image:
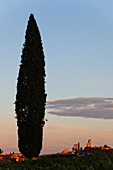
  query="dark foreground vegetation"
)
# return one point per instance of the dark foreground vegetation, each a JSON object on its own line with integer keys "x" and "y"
{"x": 102, "y": 162}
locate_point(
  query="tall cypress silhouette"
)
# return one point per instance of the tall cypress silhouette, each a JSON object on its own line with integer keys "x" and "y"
{"x": 31, "y": 96}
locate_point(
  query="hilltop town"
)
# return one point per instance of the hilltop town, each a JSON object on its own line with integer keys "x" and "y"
{"x": 88, "y": 150}
{"x": 77, "y": 151}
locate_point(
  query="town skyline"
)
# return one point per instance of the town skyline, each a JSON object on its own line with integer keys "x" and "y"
{"x": 77, "y": 151}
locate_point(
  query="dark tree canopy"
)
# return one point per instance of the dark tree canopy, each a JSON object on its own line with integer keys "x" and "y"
{"x": 1, "y": 151}
{"x": 31, "y": 96}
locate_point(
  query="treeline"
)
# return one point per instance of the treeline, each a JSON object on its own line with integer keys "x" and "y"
{"x": 103, "y": 162}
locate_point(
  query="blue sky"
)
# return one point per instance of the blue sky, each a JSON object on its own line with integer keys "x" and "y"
{"x": 77, "y": 37}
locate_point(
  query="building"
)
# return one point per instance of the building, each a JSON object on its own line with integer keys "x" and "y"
{"x": 76, "y": 147}
{"x": 88, "y": 145}
{"x": 65, "y": 151}
{"x": 105, "y": 147}
{"x": 13, "y": 156}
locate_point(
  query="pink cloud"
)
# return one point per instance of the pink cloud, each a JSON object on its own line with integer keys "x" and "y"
{"x": 87, "y": 107}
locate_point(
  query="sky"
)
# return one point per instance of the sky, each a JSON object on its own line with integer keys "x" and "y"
{"x": 77, "y": 37}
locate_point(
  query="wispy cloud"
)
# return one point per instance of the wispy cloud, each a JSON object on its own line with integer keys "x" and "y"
{"x": 87, "y": 107}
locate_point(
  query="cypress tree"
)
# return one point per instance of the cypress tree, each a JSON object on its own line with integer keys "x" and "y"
{"x": 31, "y": 96}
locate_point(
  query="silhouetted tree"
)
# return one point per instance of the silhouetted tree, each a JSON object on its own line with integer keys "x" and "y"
{"x": 31, "y": 97}
{"x": 1, "y": 151}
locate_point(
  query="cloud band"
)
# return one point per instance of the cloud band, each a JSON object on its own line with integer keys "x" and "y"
{"x": 87, "y": 107}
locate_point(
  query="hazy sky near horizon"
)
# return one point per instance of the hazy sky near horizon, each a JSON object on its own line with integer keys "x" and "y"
{"x": 77, "y": 37}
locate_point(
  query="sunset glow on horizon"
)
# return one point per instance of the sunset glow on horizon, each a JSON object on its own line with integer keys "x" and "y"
{"x": 62, "y": 132}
